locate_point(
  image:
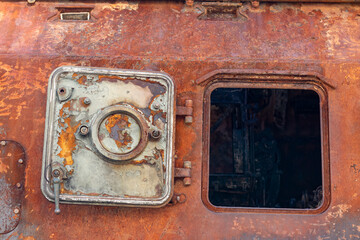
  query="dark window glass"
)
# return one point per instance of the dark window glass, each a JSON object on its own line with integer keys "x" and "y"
{"x": 265, "y": 148}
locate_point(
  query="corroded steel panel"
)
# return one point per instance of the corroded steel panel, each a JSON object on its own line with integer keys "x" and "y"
{"x": 12, "y": 179}
{"x": 169, "y": 37}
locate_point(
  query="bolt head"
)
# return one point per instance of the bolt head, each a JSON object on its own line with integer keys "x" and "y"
{"x": 56, "y": 173}
{"x": 18, "y": 185}
{"x": 155, "y": 134}
{"x": 156, "y": 106}
{"x": 87, "y": 101}
{"x": 84, "y": 130}
{"x": 20, "y": 161}
{"x": 16, "y": 210}
{"x": 3, "y": 143}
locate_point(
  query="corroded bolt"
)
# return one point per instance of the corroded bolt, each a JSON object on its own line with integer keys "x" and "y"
{"x": 20, "y": 161}
{"x": 16, "y": 210}
{"x": 18, "y": 185}
{"x": 3, "y": 143}
{"x": 156, "y": 106}
{"x": 155, "y": 134}
{"x": 84, "y": 130}
{"x": 255, "y": 4}
{"x": 87, "y": 101}
{"x": 56, "y": 173}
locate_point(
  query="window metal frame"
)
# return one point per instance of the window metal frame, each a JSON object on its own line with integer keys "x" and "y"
{"x": 273, "y": 80}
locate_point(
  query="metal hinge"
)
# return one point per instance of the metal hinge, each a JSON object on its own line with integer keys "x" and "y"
{"x": 186, "y": 111}
{"x": 184, "y": 172}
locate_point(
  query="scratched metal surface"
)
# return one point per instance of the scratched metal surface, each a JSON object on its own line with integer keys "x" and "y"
{"x": 323, "y": 38}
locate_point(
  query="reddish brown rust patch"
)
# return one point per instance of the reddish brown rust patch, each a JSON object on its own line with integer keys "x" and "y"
{"x": 122, "y": 138}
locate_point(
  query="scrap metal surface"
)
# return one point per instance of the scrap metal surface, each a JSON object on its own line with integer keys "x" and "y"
{"x": 12, "y": 179}
{"x": 169, "y": 37}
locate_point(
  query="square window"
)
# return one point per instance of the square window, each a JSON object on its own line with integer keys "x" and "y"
{"x": 265, "y": 148}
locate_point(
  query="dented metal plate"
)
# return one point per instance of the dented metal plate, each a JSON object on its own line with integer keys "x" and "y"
{"x": 111, "y": 133}
{"x": 12, "y": 179}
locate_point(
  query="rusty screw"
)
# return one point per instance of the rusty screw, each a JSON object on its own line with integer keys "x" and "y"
{"x": 20, "y": 161}
{"x": 87, "y": 101}
{"x": 3, "y": 143}
{"x": 16, "y": 210}
{"x": 155, "y": 134}
{"x": 18, "y": 185}
{"x": 255, "y": 4}
{"x": 84, "y": 130}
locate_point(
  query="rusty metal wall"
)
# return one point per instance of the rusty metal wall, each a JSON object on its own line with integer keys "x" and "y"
{"x": 169, "y": 37}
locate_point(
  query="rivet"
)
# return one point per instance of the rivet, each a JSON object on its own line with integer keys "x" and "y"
{"x": 3, "y": 143}
{"x": 20, "y": 161}
{"x": 31, "y": 1}
{"x": 87, "y": 101}
{"x": 18, "y": 185}
{"x": 16, "y": 210}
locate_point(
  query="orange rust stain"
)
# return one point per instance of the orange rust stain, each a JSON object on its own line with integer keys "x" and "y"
{"x": 122, "y": 122}
{"x": 26, "y": 237}
{"x": 82, "y": 80}
{"x": 136, "y": 162}
{"x": 108, "y": 77}
{"x": 66, "y": 139}
{"x": 74, "y": 75}
{"x": 162, "y": 153}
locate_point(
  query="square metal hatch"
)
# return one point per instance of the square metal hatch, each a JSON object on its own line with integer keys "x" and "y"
{"x": 110, "y": 134}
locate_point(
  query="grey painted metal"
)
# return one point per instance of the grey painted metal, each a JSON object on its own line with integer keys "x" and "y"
{"x": 98, "y": 173}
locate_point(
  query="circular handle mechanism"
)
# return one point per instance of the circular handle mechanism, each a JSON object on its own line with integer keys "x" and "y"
{"x": 119, "y": 132}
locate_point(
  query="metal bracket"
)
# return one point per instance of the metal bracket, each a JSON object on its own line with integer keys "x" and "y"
{"x": 186, "y": 111}
{"x": 184, "y": 173}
